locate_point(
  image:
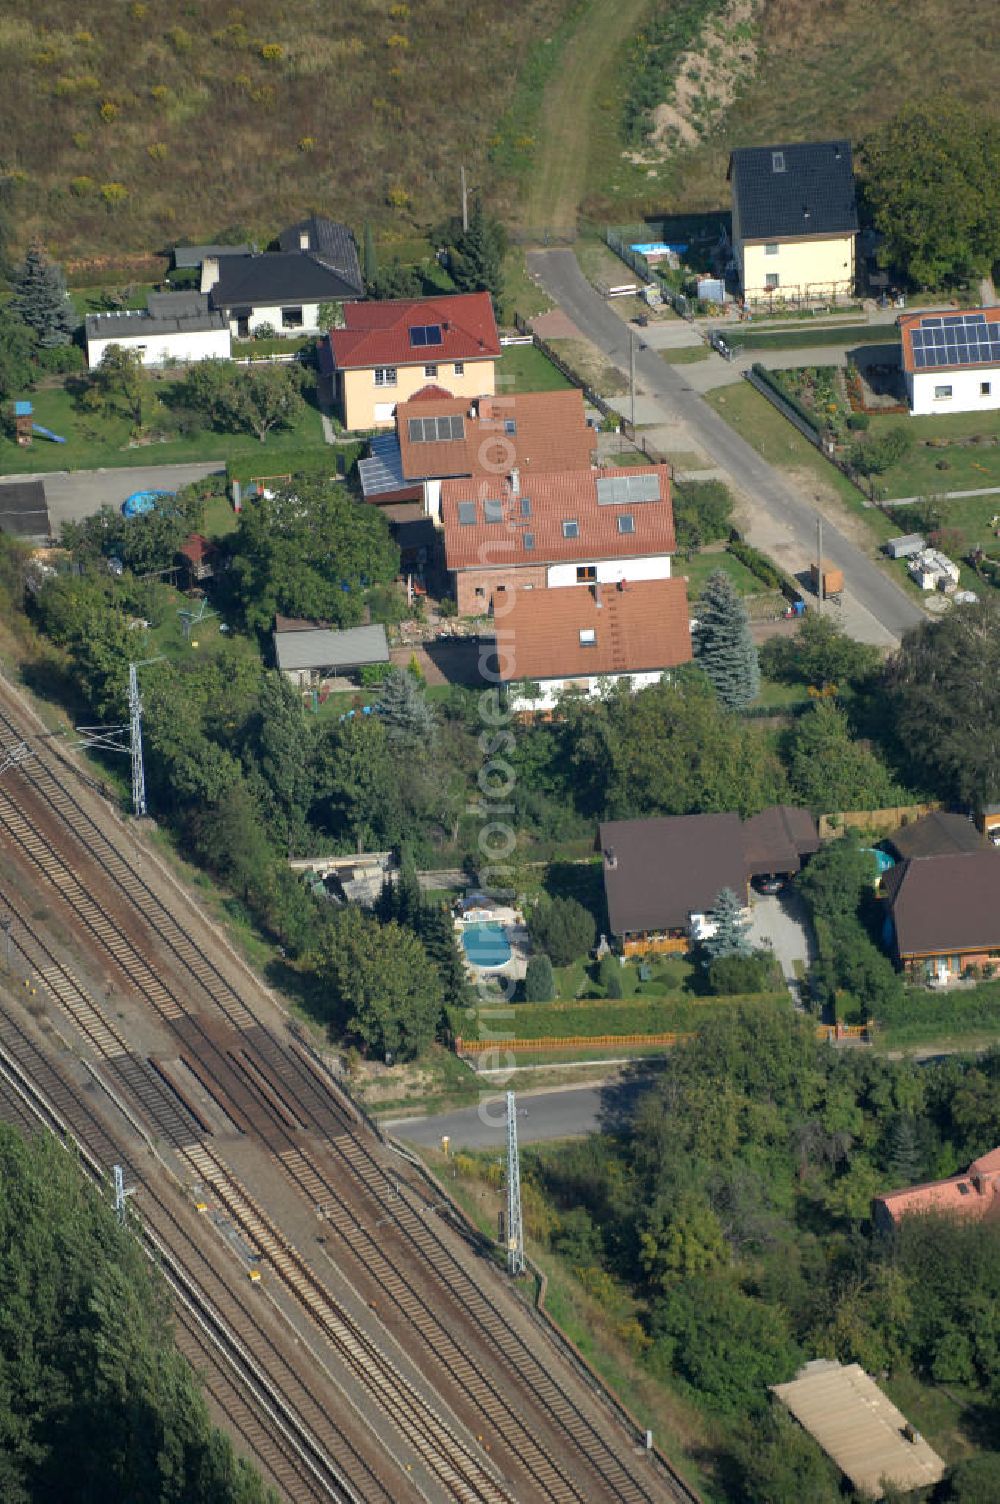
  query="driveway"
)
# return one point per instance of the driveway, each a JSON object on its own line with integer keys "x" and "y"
{"x": 74, "y": 494}
{"x": 779, "y": 922}
{"x": 570, "y": 1112}
{"x": 783, "y": 521}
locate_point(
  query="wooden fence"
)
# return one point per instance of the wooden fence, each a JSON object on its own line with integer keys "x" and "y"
{"x": 827, "y": 1033}
{"x": 889, "y": 819}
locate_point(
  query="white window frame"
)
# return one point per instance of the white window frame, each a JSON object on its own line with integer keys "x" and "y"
{"x": 588, "y": 637}
{"x": 772, "y": 281}
{"x": 985, "y": 388}
{"x": 460, "y": 368}
{"x": 430, "y": 370}
{"x": 943, "y": 393}
{"x": 386, "y": 375}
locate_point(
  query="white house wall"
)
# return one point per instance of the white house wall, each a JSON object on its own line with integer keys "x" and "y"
{"x": 610, "y": 571}
{"x": 272, "y": 317}
{"x": 551, "y": 689}
{"x": 432, "y": 500}
{"x": 966, "y": 394}
{"x": 158, "y": 349}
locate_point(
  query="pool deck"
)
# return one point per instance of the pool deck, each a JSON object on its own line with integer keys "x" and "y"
{"x": 511, "y": 921}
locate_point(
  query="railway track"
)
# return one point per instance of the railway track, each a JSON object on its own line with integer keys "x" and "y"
{"x": 278, "y": 1090}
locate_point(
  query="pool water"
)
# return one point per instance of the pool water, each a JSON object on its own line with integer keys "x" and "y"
{"x": 486, "y": 944}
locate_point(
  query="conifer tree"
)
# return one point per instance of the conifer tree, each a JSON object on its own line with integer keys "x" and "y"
{"x": 724, "y": 644}
{"x": 732, "y": 931}
{"x": 405, "y": 713}
{"x": 41, "y": 300}
{"x": 477, "y": 255}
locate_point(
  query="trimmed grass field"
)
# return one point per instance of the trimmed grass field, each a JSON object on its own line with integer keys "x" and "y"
{"x": 843, "y": 336}
{"x": 963, "y": 467}
{"x": 523, "y": 368}
{"x": 698, "y": 569}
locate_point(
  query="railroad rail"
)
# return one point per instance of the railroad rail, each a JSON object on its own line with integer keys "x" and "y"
{"x": 277, "y": 1090}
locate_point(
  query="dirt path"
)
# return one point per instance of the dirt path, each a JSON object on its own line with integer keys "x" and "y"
{"x": 559, "y": 180}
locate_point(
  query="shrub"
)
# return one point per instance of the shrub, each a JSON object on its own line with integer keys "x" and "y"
{"x": 858, "y": 422}
{"x": 609, "y": 975}
{"x": 159, "y": 92}
{"x": 562, "y": 928}
{"x": 82, "y": 187}
{"x": 179, "y": 39}
{"x": 138, "y": 10}
{"x": 731, "y": 975}
{"x": 397, "y": 40}
{"x": 372, "y": 674}
{"x": 114, "y": 194}
{"x": 110, "y": 111}
{"x": 397, "y": 197}
{"x": 307, "y": 143}
{"x": 156, "y": 151}
{"x": 539, "y": 983}
{"x": 272, "y": 52}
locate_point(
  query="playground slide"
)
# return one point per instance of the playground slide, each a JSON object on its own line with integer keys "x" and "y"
{"x": 46, "y": 433}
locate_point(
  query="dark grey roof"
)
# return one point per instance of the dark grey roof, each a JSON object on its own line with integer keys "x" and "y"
{"x": 323, "y": 648}
{"x": 275, "y": 278}
{"x": 24, "y": 511}
{"x": 193, "y": 255}
{"x": 329, "y": 242}
{"x": 657, "y": 873}
{"x": 813, "y": 194}
{"x": 946, "y": 903}
{"x": 166, "y": 313}
{"x": 936, "y": 834}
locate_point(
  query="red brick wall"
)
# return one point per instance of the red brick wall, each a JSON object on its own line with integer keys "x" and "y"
{"x": 468, "y": 581}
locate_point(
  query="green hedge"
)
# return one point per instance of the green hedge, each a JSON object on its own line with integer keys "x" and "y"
{"x": 922, "y": 1015}
{"x": 760, "y": 565}
{"x": 646, "y": 1016}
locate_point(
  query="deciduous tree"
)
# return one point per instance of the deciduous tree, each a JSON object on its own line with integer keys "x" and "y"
{"x": 562, "y": 928}
{"x": 382, "y": 985}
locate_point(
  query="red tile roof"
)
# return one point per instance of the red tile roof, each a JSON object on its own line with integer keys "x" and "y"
{"x": 550, "y": 433}
{"x": 973, "y": 1194}
{"x": 908, "y": 322}
{"x": 641, "y": 627}
{"x": 378, "y": 334}
{"x": 531, "y": 529}
{"x": 196, "y": 548}
{"x": 430, "y": 393}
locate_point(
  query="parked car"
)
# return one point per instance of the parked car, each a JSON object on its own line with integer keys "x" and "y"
{"x": 769, "y": 884}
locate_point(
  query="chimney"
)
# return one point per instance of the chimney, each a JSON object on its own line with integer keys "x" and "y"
{"x": 597, "y": 596}
{"x": 303, "y": 240}
{"x": 515, "y": 482}
{"x": 473, "y": 413}
{"x": 623, "y": 585}
{"x": 611, "y": 859}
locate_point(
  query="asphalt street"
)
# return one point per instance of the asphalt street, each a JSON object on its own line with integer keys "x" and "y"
{"x": 794, "y": 514}
{"x": 74, "y": 494}
{"x": 570, "y": 1112}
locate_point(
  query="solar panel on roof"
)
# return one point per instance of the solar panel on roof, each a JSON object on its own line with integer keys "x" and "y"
{"x": 931, "y": 323}
{"x": 952, "y": 319}
{"x": 467, "y": 513}
{"x": 620, "y": 490}
{"x": 493, "y": 511}
{"x": 425, "y": 334}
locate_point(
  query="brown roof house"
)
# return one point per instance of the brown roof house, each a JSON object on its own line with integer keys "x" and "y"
{"x": 553, "y": 642}
{"x": 974, "y": 1194}
{"x": 943, "y": 913}
{"x": 663, "y": 875}
{"x": 936, "y": 834}
{"x": 439, "y": 437}
{"x": 573, "y": 527}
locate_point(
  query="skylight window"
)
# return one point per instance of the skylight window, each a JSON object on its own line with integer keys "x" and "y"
{"x": 466, "y": 514}
{"x": 571, "y": 528}
{"x": 626, "y": 523}
{"x": 425, "y": 334}
{"x": 777, "y": 161}
{"x": 525, "y": 506}
{"x": 529, "y": 541}
{"x": 588, "y": 637}
{"x": 493, "y": 511}
{"x": 510, "y": 425}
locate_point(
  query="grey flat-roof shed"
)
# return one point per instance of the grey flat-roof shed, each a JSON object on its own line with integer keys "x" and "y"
{"x": 318, "y": 652}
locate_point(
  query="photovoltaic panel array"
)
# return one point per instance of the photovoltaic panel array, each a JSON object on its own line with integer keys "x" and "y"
{"x": 619, "y": 490}
{"x": 960, "y": 339}
{"x": 435, "y": 430}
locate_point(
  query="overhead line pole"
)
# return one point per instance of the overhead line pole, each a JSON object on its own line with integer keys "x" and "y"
{"x": 515, "y": 1229}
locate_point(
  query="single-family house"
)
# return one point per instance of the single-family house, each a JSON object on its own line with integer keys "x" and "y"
{"x": 951, "y": 361}
{"x": 938, "y": 834}
{"x": 574, "y": 527}
{"x": 387, "y": 351}
{"x": 550, "y": 642}
{"x": 943, "y": 913}
{"x": 972, "y": 1195}
{"x": 795, "y": 220}
{"x": 316, "y": 263}
{"x": 24, "y": 511}
{"x": 439, "y": 437}
{"x": 173, "y": 327}
{"x": 662, "y": 876}
{"x": 309, "y": 652}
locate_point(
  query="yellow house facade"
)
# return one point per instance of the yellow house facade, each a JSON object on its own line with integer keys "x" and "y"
{"x": 795, "y": 222}
{"x": 388, "y": 351}
{"x": 367, "y": 396}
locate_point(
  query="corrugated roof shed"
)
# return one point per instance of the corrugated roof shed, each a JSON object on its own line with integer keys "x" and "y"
{"x": 186, "y": 256}
{"x": 24, "y": 511}
{"x": 857, "y": 1425}
{"x": 322, "y": 648}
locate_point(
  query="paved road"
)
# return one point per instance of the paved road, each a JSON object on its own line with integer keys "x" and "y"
{"x": 569, "y": 1113}
{"x": 790, "y": 517}
{"x": 72, "y": 494}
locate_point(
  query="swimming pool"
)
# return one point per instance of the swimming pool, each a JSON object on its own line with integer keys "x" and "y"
{"x": 486, "y": 944}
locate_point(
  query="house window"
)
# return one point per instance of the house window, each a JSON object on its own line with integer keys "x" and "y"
{"x": 984, "y": 389}
{"x": 571, "y": 528}
{"x": 777, "y": 161}
{"x": 588, "y": 637}
{"x": 430, "y": 370}
{"x": 771, "y": 249}
{"x": 529, "y": 541}
{"x": 385, "y": 375}
{"x": 466, "y": 514}
{"x": 493, "y": 511}
{"x": 525, "y": 506}
{"x": 510, "y": 425}
{"x": 586, "y": 574}
{"x": 480, "y": 593}
{"x": 460, "y": 368}
{"x": 291, "y": 318}
{"x": 942, "y": 393}
{"x": 771, "y": 279}
{"x": 626, "y": 523}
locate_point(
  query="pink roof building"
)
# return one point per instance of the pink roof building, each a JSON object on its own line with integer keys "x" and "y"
{"x": 974, "y": 1194}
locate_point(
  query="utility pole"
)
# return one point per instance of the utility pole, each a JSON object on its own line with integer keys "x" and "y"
{"x": 465, "y": 201}
{"x": 6, "y": 923}
{"x": 819, "y": 565}
{"x": 515, "y": 1231}
{"x": 135, "y": 739}
{"x": 121, "y": 1194}
{"x": 631, "y": 379}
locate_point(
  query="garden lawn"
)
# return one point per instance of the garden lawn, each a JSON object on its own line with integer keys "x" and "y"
{"x": 816, "y": 336}
{"x": 523, "y": 368}
{"x": 773, "y": 437}
{"x": 93, "y": 441}
{"x": 966, "y": 468}
{"x": 166, "y": 638}
{"x": 697, "y": 570}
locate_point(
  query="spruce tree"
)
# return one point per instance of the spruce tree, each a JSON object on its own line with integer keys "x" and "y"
{"x": 539, "y": 983}
{"x": 404, "y": 710}
{"x": 477, "y": 255}
{"x": 724, "y": 644}
{"x": 905, "y": 1158}
{"x": 732, "y": 931}
{"x": 41, "y": 300}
